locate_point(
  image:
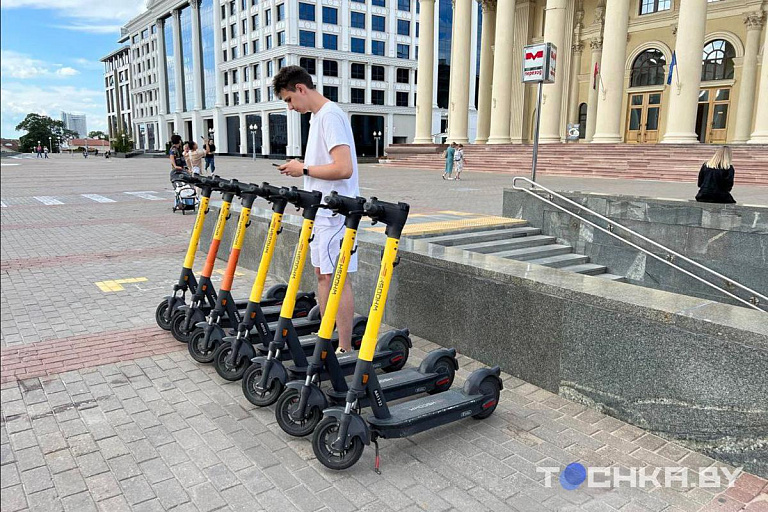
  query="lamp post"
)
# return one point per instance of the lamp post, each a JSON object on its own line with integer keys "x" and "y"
{"x": 254, "y": 129}
{"x": 50, "y": 144}
{"x": 210, "y": 133}
{"x": 377, "y": 137}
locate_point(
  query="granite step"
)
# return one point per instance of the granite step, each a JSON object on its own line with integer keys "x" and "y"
{"x": 532, "y": 253}
{"x": 496, "y": 246}
{"x": 487, "y": 235}
{"x": 612, "y": 277}
{"x": 561, "y": 260}
{"x": 590, "y": 269}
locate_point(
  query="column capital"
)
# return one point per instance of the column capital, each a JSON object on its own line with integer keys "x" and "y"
{"x": 195, "y": 4}
{"x": 754, "y": 20}
{"x": 488, "y": 5}
{"x": 578, "y": 47}
{"x": 596, "y": 44}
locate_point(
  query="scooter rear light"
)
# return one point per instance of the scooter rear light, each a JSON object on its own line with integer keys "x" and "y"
{"x": 442, "y": 382}
{"x": 489, "y": 404}
{"x": 397, "y": 359}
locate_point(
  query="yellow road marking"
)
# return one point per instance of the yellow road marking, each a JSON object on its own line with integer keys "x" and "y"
{"x": 221, "y": 272}
{"x": 115, "y": 285}
{"x": 453, "y": 225}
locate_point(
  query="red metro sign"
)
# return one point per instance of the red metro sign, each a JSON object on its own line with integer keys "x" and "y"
{"x": 539, "y": 63}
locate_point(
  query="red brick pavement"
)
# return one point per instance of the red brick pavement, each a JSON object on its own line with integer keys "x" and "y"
{"x": 71, "y": 259}
{"x": 749, "y": 493}
{"x": 77, "y": 352}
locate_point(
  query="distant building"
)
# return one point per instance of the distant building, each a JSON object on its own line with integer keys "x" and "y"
{"x": 117, "y": 83}
{"x": 75, "y": 122}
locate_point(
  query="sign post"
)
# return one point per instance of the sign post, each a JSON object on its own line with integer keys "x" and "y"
{"x": 539, "y": 63}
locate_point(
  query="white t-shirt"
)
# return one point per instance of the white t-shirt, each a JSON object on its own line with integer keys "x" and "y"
{"x": 329, "y": 128}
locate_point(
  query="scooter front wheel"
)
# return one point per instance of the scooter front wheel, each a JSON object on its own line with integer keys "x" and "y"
{"x": 255, "y": 395}
{"x": 286, "y": 404}
{"x": 197, "y": 349}
{"x": 160, "y": 315}
{"x": 226, "y": 370}
{"x": 177, "y": 327}
{"x": 324, "y": 436}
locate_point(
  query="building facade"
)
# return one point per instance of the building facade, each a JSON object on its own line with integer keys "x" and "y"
{"x": 75, "y": 122}
{"x": 204, "y": 68}
{"x": 117, "y": 84}
{"x": 613, "y": 68}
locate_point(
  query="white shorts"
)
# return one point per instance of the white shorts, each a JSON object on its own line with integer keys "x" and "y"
{"x": 325, "y": 247}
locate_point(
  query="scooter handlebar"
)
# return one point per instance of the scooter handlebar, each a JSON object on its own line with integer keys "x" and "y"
{"x": 394, "y": 215}
{"x": 308, "y": 201}
{"x": 344, "y": 205}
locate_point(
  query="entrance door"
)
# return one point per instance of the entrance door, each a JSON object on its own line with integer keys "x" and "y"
{"x": 643, "y": 117}
{"x": 712, "y": 115}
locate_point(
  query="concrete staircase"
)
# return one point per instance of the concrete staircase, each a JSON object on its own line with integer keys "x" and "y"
{"x": 660, "y": 162}
{"x": 522, "y": 243}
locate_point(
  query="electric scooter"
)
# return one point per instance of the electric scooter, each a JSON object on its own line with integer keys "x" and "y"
{"x": 187, "y": 281}
{"x": 299, "y": 408}
{"x": 186, "y": 317}
{"x": 265, "y": 380}
{"x": 339, "y": 439}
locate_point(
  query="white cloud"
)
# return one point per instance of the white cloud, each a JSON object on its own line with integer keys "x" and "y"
{"x": 92, "y": 28}
{"x": 93, "y": 10}
{"x": 19, "y": 65}
{"x": 67, "y": 71}
{"x": 88, "y": 64}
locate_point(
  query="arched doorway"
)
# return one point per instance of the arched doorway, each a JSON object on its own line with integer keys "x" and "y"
{"x": 715, "y": 100}
{"x": 645, "y": 107}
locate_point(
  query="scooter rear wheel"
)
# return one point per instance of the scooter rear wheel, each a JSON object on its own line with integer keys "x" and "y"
{"x": 226, "y": 371}
{"x": 398, "y": 344}
{"x": 283, "y": 409}
{"x": 259, "y": 397}
{"x": 324, "y": 436}
{"x": 489, "y": 388}
{"x": 160, "y": 315}
{"x": 445, "y": 368}
{"x": 177, "y": 327}
{"x": 197, "y": 349}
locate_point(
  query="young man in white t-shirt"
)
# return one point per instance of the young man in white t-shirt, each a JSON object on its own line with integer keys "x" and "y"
{"x": 330, "y": 164}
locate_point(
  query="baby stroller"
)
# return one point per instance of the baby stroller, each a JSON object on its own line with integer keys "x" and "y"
{"x": 185, "y": 197}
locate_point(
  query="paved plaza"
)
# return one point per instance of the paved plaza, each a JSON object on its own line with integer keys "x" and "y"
{"x": 102, "y": 410}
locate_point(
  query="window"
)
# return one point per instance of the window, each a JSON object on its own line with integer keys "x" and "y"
{"x": 717, "y": 60}
{"x": 401, "y": 99}
{"x": 403, "y": 51}
{"x": 330, "y": 42}
{"x": 255, "y": 44}
{"x": 651, "y": 6}
{"x": 403, "y": 27}
{"x": 280, "y": 12}
{"x": 223, "y": 12}
{"x": 331, "y": 92}
{"x": 225, "y": 55}
{"x": 358, "y": 71}
{"x": 269, "y": 42}
{"x": 234, "y": 76}
{"x": 330, "y": 16}
{"x": 255, "y": 22}
{"x": 377, "y": 97}
{"x": 357, "y": 96}
{"x": 378, "y": 23}
{"x": 256, "y": 71}
{"x": 224, "y": 35}
{"x": 357, "y": 45}
{"x": 154, "y": 29}
{"x": 330, "y": 68}
{"x": 403, "y": 75}
{"x": 268, "y": 17}
{"x": 226, "y": 78}
{"x": 257, "y": 95}
{"x": 309, "y": 64}
{"x": 377, "y": 47}
{"x": 145, "y": 33}
{"x": 269, "y": 68}
{"x": 379, "y": 3}
{"x": 270, "y": 94}
{"x": 377, "y": 73}
{"x": 243, "y": 5}
{"x": 226, "y": 99}
{"x": 234, "y": 52}
{"x": 417, "y": 29}
{"x": 233, "y": 30}
{"x": 246, "y": 73}
{"x": 357, "y": 20}
{"x": 247, "y": 97}
{"x": 245, "y": 48}
{"x": 648, "y": 69}
{"x": 280, "y": 63}
{"x": 404, "y": 5}
{"x": 244, "y": 26}
{"x": 306, "y": 12}
{"x": 235, "y": 98}
{"x": 306, "y": 38}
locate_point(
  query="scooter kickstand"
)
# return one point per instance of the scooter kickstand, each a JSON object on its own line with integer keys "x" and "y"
{"x": 377, "y": 460}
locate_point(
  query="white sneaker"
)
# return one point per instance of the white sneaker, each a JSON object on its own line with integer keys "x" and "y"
{"x": 340, "y": 350}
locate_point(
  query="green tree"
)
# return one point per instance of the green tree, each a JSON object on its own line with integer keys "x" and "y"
{"x": 97, "y": 133}
{"x": 122, "y": 143}
{"x": 40, "y": 128}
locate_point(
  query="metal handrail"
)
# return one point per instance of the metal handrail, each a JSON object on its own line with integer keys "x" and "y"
{"x": 752, "y": 303}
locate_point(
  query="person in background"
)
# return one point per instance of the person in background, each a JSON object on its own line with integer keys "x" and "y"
{"x": 210, "y": 150}
{"x": 45, "y": 151}
{"x": 716, "y": 178}
{"x": 449, "y": 154}
{"x": 459, "y": 160}
{"x": 195, "y": 158}
{"x": 176, "y": 155}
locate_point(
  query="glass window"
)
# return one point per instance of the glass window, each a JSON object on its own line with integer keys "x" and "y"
{"x": 331, "y": 92}
{"x": 648, "y": 69}
{"x": 403, "y": 75}
{"x": 403, "y": 5}
{"x": 403, "y": 27}
{"x": 257, "y": 95}
{"x": 234, "y": 76}
{"x": 651, "y": 6}
{"x": 402, "y": 99}
{"x": 717, "y": 61}
{"x": 417, "y": 29}
{"x": 255, "y": 22}
{"x": 244, "y": 26}
{"x": 377, "y": 97}
{"x": 377, "y": 73}
{"x": 306, "y": 38}
{"x": 403, "y": 51}
{"x": 722, "y": 94}
{"x": 378, "y": 23}
{"x": 377, "y": 47}
{"x": 246, "y": 73}
{"x": 233, "y": 30}
{"x": 235, "y": 98}
{"x": 154, "y": 29}
{"x": 720, "y": 116}
{"x": 357, "y": 95}
{"x": 243, "y": 4}
{"x": 224, "y": 35}
{"x": 270, "y": 67}
{"x": 268, "y": 17}
{"x": 330, "y": 68}
{"x": 270, "y": 94}
{"x": 245, "y": 48}
{"x": 281, "y": 38}
{"x": 357, "y": 45}
{"x": 306, "y": 11}
{"x": 280, "y": 12}
{"x": 330, "y": 16}
{"x": 357, "y": 19}
{"x": 223, "y": 12}
{"x": 256, "y": 71}
{"x": 330, "y": 41}
{"x": 247, "y": 97}
{"x": 379, "y": 3}
{"x": 225, "y": 55}
{"x": 234, "y": 52}
{"x": 226, "y": 78}
{"x": 358, "y": 71}
{"x": 280, "y": 63}
{"x": 145, "y": 33}
{"x": 226, "y": 99}
{"x": 268, "y": 42}
{"x": 309, "y": 64}
{"x": 255, "y": 44}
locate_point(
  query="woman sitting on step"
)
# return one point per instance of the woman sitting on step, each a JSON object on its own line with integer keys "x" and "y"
{"x": 716, "y": 178}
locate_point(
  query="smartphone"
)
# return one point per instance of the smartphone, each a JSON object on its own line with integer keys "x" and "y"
{"x": 276, "y": 165}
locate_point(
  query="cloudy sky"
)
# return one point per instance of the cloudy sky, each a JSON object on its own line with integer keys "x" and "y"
{"x": 50, "y": 57}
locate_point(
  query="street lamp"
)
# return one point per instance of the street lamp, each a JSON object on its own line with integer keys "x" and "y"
{"x": 377, "y": 137}
{"x": 254, "y": 129}
{"x": 210, "y": 133}
{"x": 50, "y": 144}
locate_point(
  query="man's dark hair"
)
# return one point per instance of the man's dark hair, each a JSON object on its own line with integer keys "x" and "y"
{"x": 289, "y": 77}
{"x": 175, "y": 139}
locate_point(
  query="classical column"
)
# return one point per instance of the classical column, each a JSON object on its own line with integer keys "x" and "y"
{"x": 611, "y": 85}
{"x": 265, "y": 133}
{"x": 519, "y": 117}
{"x": 162, "y": 68}
{"x": 178, "y": 62}
{"x": 424, "y": 90}
{"x": 760, "y": 135}
{"x": 754, "y": 22}
{"x": 217, "y": 56}
{"x": 197, "y": 55}
{"x": 596, "y": 46}
{"x": 503, "y": 74}
{"x": 554, "y": 32}
{"x": 458, "y": 108}
{"x": 573, "y": 98}
{"x": 684, "y": 97}
{"x": 486, "y": 71}
{"x": 243, "y": 149}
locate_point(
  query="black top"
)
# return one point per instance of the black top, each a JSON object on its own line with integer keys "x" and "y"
{"x": 178, "y": 157}
{"x": 715, "y": 185}
{"x": 211, "y": 149}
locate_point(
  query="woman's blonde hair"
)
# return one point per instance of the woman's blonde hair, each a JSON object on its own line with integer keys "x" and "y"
{"x": 721, "y": 159}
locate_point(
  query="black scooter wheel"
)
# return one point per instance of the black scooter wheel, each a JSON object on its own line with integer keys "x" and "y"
{"x": 283, "y": 409}
{"x": 446, "y": 370}
{"x": 489, "y": 388}
{"x": 399, "y": 347}
{"x": 225, "y": 370}
{"x": 160, "y": 315}
{"x": 324, "y": 436}
{"x": 276, "y": 292}
{"x": 260, "y": 397}
{"x": 177, "y": 327}
{"x": 196, "y": 347}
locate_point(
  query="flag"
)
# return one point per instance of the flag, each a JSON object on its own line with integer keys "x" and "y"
{"x": 594, "y": 76}
{"x": 672, "y": 68}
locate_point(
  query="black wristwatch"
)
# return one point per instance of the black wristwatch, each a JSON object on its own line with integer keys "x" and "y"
{"x": 306, "y": 170}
